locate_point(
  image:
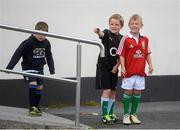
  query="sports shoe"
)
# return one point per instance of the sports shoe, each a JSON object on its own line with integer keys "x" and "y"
{"x": 126, "y": 119}
{"x": 35, "y": 111}
{"x": 107, "y": 120}
{"x": 32, "y": 111}
{"x": 114, "y": 118}
{"x": 134, "y": 119}
{"x": 38, "y": 112}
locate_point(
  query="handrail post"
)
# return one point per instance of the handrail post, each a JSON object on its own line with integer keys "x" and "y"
{"x": 78, "y": 87}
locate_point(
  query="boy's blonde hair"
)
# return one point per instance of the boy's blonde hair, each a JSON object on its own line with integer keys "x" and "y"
{"x": 43, "y": 26}
{"x": 135, "y": 17}
{"x": 117, "y": 17}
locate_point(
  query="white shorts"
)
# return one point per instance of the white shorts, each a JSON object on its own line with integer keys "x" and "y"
{"x": 134, "y": 82}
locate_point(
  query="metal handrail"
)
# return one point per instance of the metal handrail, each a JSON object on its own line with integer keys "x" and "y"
{"x": 78, "y": 76}
{"x": 38, "y": 76}
{"x": 19, "y": 29}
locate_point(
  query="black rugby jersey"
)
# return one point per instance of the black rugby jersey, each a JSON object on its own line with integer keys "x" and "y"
{"x": 34, "y": 55}
{"x": 111, "y": 42}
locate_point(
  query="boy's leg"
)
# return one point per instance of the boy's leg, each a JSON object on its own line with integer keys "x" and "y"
{"x": 126, "y": 103}
{"x": 104, "y": 81}
{"x": 104, "y": 111}
{"x": 32, "y": 90}
{"x": 112, "y": 97}
{"x": 38, "y": 98}
{"x": 112, "y": 94}
{"x": 111, "y": 101}
{"x": 135, "y": 102}
{"x": 139, "y": 85}
{"x": 32, "y": 98}
{"x": 38, "y": 94}
{"x": 39, "y": 91}
{"x": 104, "y": 107}
{"x": 111, "y": 106}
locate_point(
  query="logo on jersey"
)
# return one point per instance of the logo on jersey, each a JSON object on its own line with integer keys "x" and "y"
{"x": 39, "y": 53}
{"x": 131, "y": 46}
{"x": 138, "y": 54}
{"x": 113, "y": 51}
{"x": 110, "y": 38}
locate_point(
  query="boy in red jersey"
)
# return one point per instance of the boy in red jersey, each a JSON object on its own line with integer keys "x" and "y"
{"x": 133, "y": 53}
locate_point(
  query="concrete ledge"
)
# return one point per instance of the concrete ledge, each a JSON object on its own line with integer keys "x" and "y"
{"x": 12, "y": 117}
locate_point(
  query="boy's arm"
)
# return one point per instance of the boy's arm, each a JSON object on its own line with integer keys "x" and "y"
{"x": 50, "y": 60}
{"x": 123, "y": 68}
{"x": 16, "y": 56}
{"x": 148, "y": 59}
{"x": 115, "y": 68}
{"x": 99, "y": 32}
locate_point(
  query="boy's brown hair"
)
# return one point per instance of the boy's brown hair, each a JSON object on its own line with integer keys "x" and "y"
{"x": 43, "y": 26}
{"x": 136, "y": 17}
{"x": 118, "y": 17}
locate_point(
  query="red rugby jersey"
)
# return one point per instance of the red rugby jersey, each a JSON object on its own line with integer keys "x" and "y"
{"x": 134, "y": 53}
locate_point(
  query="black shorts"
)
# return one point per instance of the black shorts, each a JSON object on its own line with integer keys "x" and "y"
{"x": 106, "y": 79}
{"x": 34, "y": 79}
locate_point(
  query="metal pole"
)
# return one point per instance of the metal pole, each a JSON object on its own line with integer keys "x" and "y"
{"x": 19, "y": 29}
{"x": 78, "y": 86}
{"x": 37, "y": 76}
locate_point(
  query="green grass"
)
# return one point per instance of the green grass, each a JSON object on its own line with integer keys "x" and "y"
{"x": 61, "y": 105}
{"x": 56, "y": 105}
{"x": 91, "y": 103}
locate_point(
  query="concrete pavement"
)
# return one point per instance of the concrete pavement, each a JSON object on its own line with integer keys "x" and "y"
{"x": 154, "y": 115}
{"x": 12, "y": 117}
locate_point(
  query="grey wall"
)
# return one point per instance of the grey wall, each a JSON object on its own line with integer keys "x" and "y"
{"x": 15, "y": 93}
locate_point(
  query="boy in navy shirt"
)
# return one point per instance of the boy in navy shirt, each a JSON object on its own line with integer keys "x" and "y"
{"x": 35, "y": 52}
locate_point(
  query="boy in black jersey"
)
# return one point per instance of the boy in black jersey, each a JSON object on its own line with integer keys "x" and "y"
{"x": 107, "y": 67}
{"x": 35, "y": 52}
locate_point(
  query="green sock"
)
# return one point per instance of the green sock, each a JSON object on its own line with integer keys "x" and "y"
{"x": 111, "y": 106}
{"x": 126, "y": 102}
{"x": 135, "y": 102}
{"x": 104, "y": 106}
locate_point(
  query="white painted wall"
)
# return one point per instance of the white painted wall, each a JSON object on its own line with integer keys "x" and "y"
{"x": 178, "y": 60}
{"x": 77, "y": 18}
{"x": 0, "y": 41}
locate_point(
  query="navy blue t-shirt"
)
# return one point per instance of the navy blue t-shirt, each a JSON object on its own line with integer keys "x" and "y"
{"x": 34, "y": 55}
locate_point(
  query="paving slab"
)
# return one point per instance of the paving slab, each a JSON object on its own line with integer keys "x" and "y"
{"x": 20, "y": 117}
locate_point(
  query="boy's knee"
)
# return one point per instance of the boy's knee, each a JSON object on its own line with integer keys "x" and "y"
{"x": 40, "y": 87}
{"x": 129, "y": 92}
{"x": 33, "y": 83}
{"x": 137, "y": 92}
